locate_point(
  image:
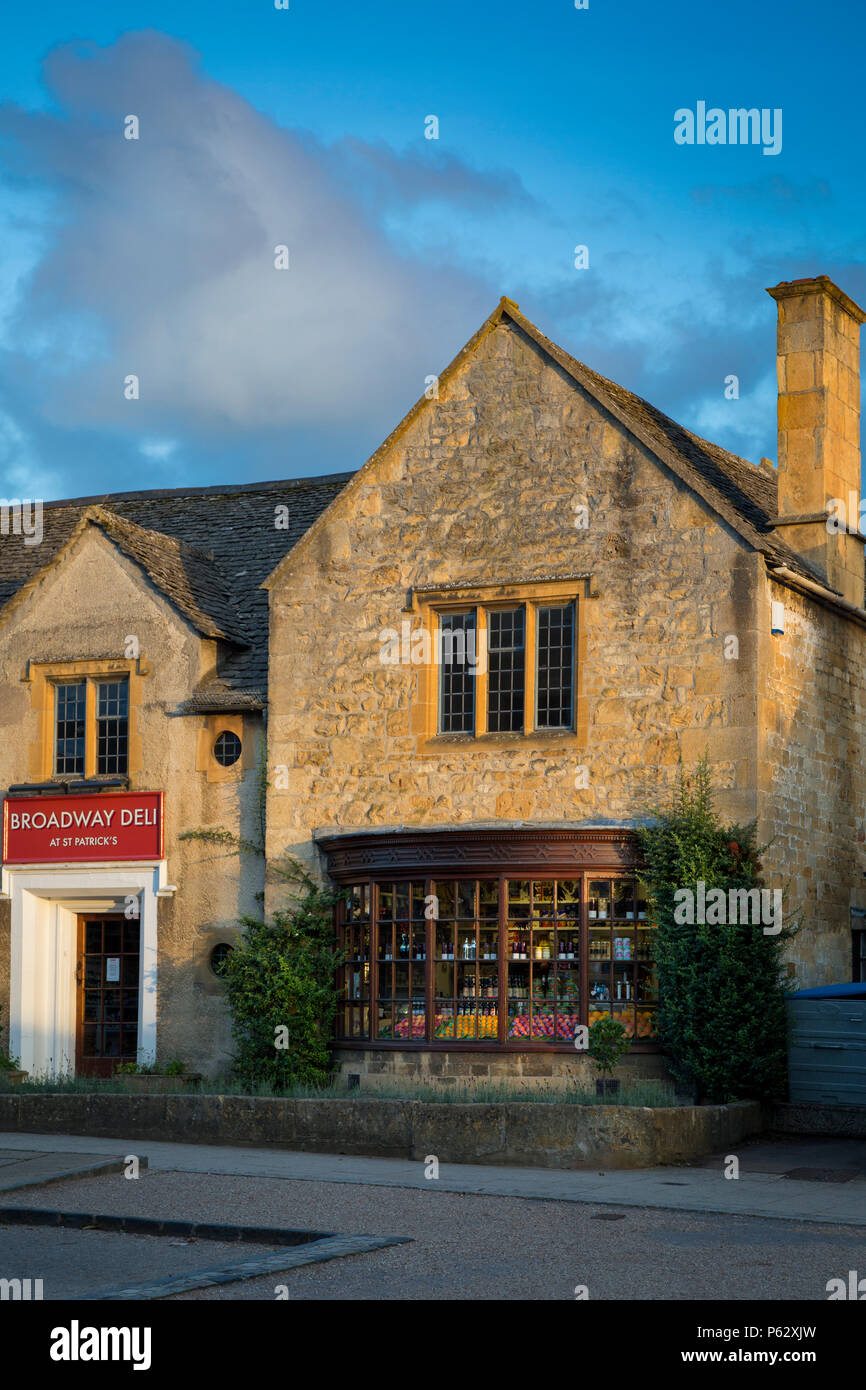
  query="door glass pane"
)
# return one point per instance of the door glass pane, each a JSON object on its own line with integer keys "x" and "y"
{"x": 109, "y": 1007}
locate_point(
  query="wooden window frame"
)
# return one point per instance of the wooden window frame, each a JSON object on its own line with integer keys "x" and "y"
{"x": 91, "y": 684}
{"x": 42, "y": 677}
{"x": 363, "y": 949}
{"x": 430, "y": 605}
{"x": 371, "y": 860}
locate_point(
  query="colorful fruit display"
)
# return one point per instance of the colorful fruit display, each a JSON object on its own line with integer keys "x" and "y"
{"x": 469, "y": 1027}
{"x": 414, "y": 1027}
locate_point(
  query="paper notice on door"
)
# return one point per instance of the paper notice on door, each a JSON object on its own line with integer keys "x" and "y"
{"x": 112, "y": 970}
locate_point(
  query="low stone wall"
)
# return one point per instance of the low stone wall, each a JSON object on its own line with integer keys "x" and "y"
{"x": 530, "y": 1134}
{"x": 553, "y": 1071}
{"x": 830, "y": 1121}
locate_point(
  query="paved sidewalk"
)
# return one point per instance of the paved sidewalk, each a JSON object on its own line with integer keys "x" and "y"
{"x": 30, "y": 1167}
{"x": 698, "y": 1189}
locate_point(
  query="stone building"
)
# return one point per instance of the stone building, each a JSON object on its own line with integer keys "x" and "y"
{"x": 481, "y": 657}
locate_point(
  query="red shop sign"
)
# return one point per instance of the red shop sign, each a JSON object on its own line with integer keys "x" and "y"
{"x": 82, "y": 829}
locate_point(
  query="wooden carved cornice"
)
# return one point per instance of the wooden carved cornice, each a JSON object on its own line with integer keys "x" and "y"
{"x": 489, "y": 851}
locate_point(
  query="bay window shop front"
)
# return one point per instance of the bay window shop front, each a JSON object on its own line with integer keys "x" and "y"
{"x": 457, "y": 953}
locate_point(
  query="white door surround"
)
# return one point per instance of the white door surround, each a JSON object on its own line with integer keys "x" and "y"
{"x": 46, "y": 901}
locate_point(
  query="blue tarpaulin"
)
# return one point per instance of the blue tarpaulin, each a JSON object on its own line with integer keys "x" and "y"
{"x": 832, "y": 992}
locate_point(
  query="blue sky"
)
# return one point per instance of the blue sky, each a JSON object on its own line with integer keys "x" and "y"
{"x": 306, "y": 127}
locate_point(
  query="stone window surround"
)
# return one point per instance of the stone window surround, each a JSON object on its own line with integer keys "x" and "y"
{"x": 533, "y": 593}
{"x": 479, "y": 852}
{"x": 42, "y": 676}
{"x": 212, "y": 725}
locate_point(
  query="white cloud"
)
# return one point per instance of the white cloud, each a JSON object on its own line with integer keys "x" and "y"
{"x": 168, "y": 243}
{"x": 159, "y": 449}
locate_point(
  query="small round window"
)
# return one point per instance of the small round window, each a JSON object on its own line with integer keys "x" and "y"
{"x": 218, "y": 957}
{"x": 227, "y": 749}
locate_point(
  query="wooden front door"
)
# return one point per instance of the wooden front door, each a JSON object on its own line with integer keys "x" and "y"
{"x": 107, "y": 975}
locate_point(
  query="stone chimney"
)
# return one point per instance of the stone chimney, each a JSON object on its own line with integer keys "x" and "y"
{"x": 818, "y": 365}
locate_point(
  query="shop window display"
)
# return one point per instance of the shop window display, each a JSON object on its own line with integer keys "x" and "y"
{"x": 495, "y": 960}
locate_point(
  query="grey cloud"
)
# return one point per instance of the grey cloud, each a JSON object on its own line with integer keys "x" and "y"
{"x": 165, "y": 246}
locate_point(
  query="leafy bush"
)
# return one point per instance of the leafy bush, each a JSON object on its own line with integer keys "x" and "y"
{"x": 280, "y": 980}
{"x": 721, "y": 1016}
{"x": 608, "y": 1042}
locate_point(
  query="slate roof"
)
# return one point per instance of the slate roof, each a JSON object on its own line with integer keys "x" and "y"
{"x": 206, "y": 549}
{"x": 210, "y": 550}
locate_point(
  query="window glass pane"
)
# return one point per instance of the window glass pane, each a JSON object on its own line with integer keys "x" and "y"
{"x": 465, "y": 899}
{"x": 112, "y": 726}
{"x": 599, "y": 909}
{"x": 537, "y": 987}
{"x": 506, "y": 663}
{"x": 555, "y": 667}
{"x": 488, "y": 898}
{"x": 401, "y": 952}
{"x": 443, "y": 1022}
{"x": 444, "y": 891}
{"x": 69, "y": 705}
{"x": 599, "y": 900}
{"x": 568, "y": 898}
{"x": 646, "y": 985}
{"x": 518, "y": 897}
{"x": 457, "y": 679}
{"x": 354, "y": 975}
{"x": 542, "y": 898}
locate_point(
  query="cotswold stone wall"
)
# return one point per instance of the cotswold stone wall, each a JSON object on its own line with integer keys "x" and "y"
{"x": 83, "y": 608}
{"x": 554, "y": 1071}
{"x": 482, "y": 488}
{"x": 812, "y": 787}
